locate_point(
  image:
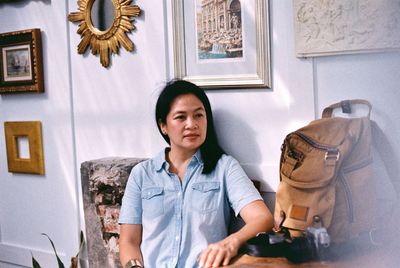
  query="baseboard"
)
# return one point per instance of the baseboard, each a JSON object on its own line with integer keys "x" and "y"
{"x": 22, "y": 256}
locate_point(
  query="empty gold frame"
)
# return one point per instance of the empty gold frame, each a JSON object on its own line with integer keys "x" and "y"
{"x": 109, "y": 40}
{"x": 32, "y": 130}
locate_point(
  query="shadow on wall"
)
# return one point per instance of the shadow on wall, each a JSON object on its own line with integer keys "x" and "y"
{"x": 238, "y": 139}
{"x": 388, "y": 154}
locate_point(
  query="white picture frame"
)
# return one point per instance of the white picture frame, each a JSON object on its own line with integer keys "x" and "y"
{"x": 250, "y": 70}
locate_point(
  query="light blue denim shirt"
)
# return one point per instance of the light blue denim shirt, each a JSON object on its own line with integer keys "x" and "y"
{"x": 181, "y": 219}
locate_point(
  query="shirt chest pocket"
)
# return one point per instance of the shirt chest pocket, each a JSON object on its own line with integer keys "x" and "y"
{"x": 153, "y": 201}
{"x": 205, "y": 196}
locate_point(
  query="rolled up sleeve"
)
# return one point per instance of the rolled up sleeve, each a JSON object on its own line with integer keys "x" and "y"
{"x": 241, "y": 190}
{"x": 131, "y": 208}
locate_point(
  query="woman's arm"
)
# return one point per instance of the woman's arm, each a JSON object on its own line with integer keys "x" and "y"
{"x": 257, "y": 219}
{"x": 129, "y": 243}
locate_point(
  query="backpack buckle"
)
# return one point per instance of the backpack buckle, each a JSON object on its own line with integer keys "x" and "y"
{"x": 332, "y": 155}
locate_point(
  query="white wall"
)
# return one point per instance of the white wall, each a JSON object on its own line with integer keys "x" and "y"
{"x": 32, "y": 204}
{"x": 371, "y": 76}
{"x": 89, "y": 112}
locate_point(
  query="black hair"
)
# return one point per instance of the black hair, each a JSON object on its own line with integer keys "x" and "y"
{"x": 211, "y": 151}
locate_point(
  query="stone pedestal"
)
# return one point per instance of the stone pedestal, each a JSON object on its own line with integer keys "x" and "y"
{"x": 103, "y": 185}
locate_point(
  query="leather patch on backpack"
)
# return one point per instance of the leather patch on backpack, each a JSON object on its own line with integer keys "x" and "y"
{"x": 299, "y": 213}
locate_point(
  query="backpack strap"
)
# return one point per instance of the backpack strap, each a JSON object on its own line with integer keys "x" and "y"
{"x": 346, "y": 107}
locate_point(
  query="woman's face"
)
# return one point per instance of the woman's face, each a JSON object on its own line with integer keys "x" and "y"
{"x": 186, "y": 123}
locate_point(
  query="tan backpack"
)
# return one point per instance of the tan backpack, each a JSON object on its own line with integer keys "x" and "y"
{"x": 326, "y": 170}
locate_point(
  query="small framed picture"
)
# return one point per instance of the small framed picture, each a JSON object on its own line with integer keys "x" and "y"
{"x": 21, "y": 63}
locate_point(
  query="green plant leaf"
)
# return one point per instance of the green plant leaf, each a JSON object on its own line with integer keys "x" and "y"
{"x": 35, "y": 264}
{"x": 82, "y": 242}
{"x": 60, "y": 263}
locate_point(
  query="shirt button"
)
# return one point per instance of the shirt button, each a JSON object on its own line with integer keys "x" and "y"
{"x": 177, "y": 237}
{"x": 179, "y": 193}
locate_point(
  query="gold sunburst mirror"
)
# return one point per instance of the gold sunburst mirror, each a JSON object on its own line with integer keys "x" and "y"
{"x": 105, "y": 39}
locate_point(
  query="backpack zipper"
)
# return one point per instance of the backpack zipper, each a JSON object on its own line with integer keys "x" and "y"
{"x": 314, "y": 143}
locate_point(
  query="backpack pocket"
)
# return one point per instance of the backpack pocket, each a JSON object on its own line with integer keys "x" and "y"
{"x": 307, "y": 187}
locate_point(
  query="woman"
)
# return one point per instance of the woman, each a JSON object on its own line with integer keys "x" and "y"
{"x": 176, "y": 207}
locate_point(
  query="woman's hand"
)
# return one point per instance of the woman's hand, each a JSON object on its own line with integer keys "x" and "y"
{"x": 257, "y": 219}
{"x": 219, "y": 253}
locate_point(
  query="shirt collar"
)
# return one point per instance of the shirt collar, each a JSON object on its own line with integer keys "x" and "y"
{"x": 160, "y": 161}
{"x": 198, "y": 157}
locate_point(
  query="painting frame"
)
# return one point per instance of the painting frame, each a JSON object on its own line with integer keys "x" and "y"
{"x": 257, "y": 66}
{"x": 32, "y": 130}
{"x": 21, "y": 62}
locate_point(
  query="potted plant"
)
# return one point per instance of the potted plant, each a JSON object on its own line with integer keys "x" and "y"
{"x": 74, "y": 260}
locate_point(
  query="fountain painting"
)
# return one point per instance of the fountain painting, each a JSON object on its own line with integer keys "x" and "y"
{"x": 219, "y": 29}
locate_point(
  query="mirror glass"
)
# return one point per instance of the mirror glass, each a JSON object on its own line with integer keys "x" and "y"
{"x": 102, "y": 14}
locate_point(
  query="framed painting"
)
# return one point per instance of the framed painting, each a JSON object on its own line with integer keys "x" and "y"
{"x": 21, "y": 65}
{"x": 20, "y": 133}
{"x": 222, "y": 43}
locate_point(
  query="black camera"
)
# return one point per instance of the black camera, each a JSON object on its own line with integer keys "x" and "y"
{"x": 313, "y": 245}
